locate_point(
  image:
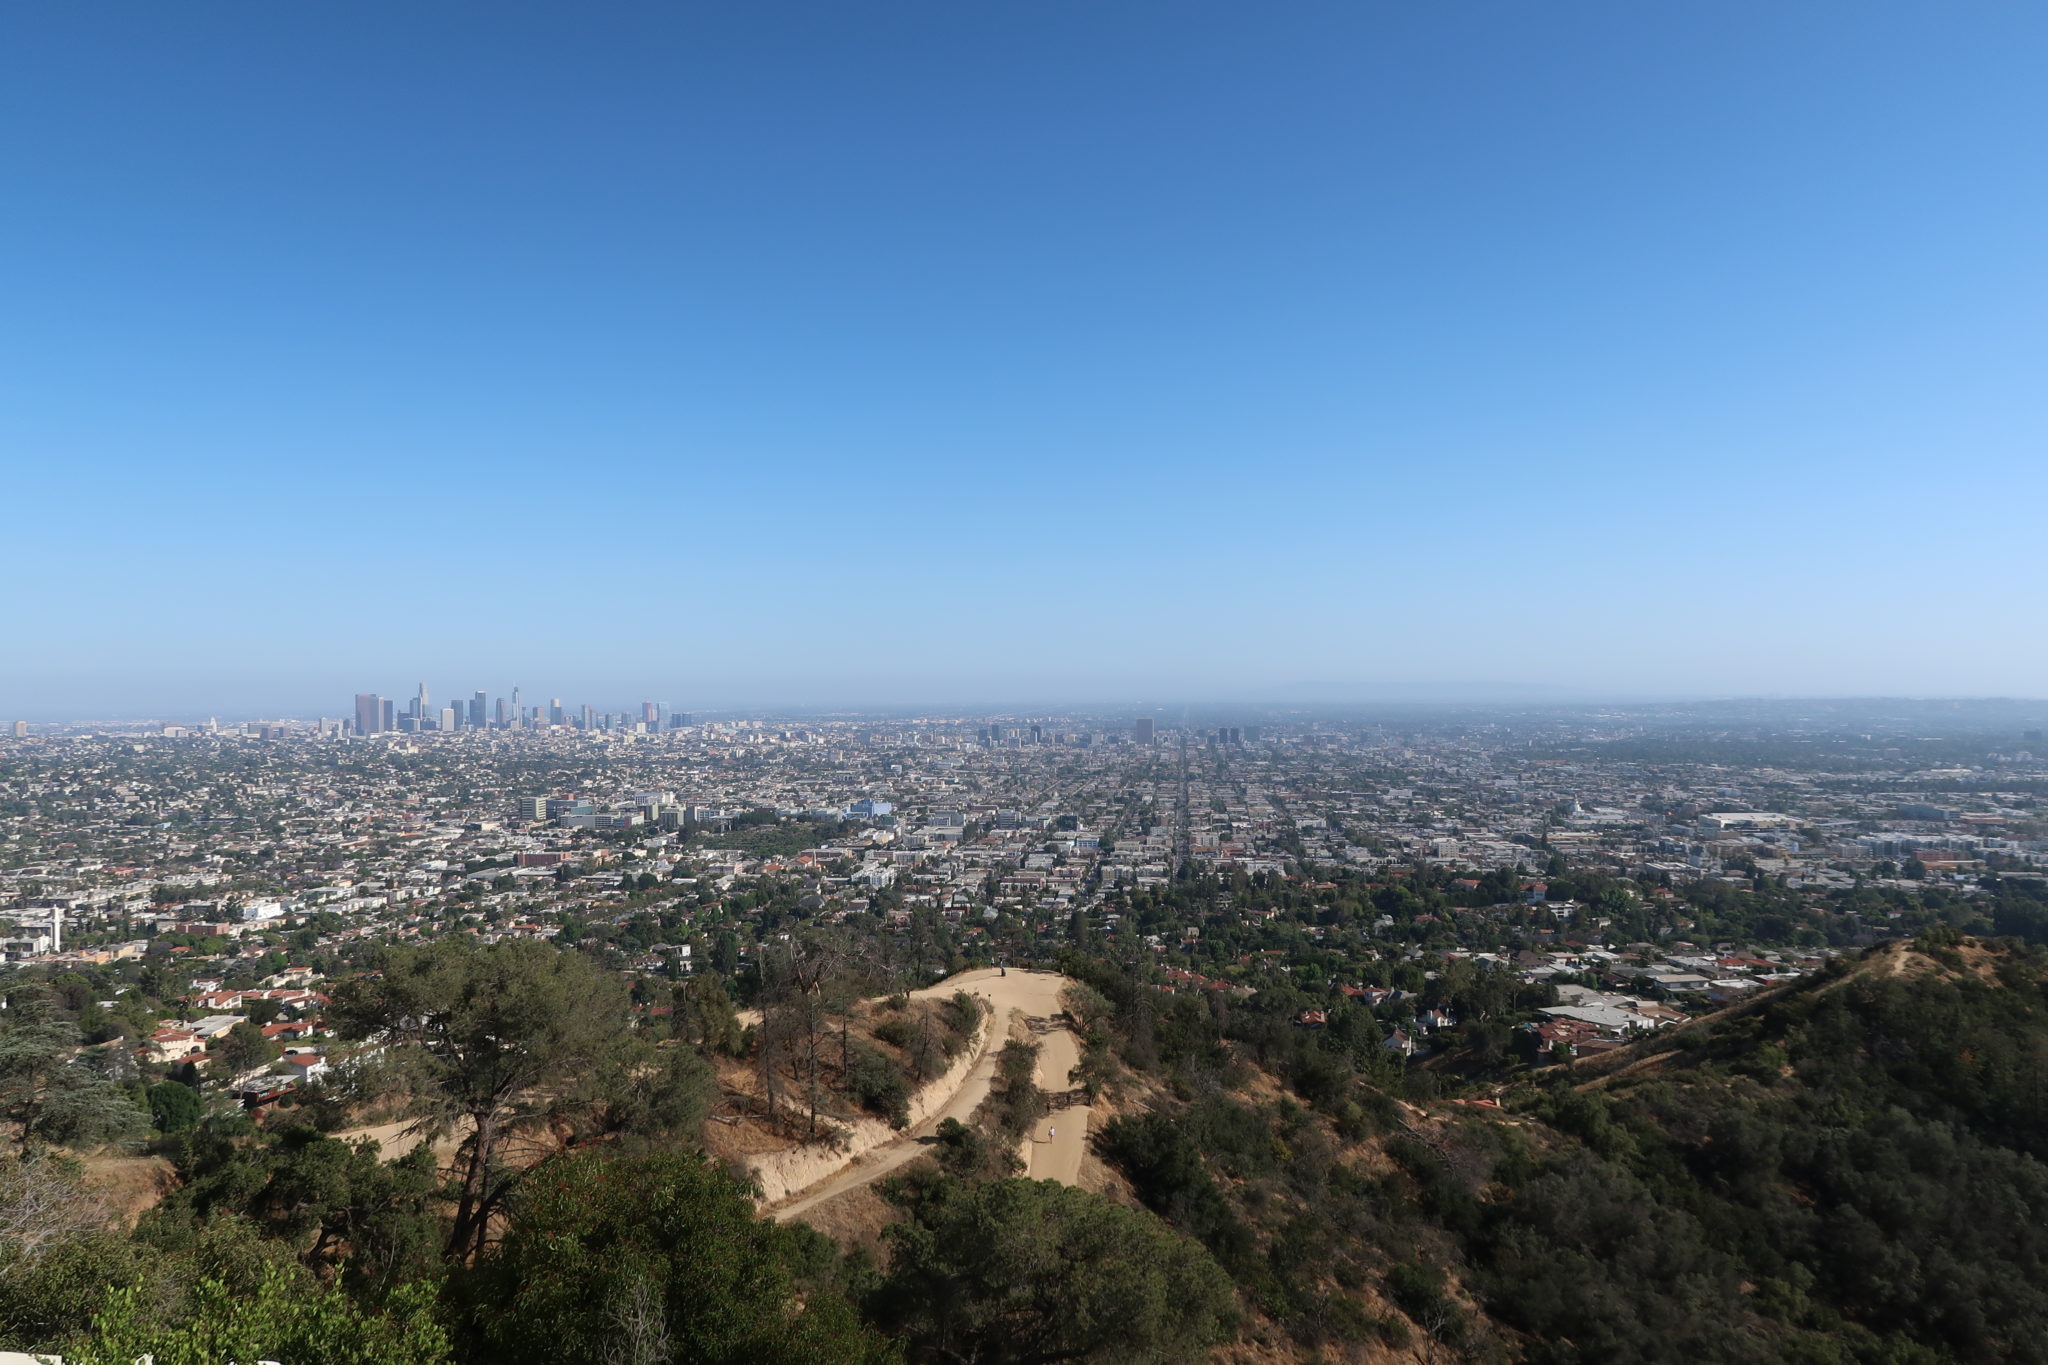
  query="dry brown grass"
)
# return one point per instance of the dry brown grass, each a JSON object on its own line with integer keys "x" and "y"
{"x": 128, "y": 1185}
{"x": 854, "y": 1218}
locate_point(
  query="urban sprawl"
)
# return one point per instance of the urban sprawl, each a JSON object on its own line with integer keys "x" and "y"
{"x": 1537, "y": 885}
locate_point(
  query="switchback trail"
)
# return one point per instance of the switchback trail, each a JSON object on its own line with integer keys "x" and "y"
{"x": 1037, "y": 995}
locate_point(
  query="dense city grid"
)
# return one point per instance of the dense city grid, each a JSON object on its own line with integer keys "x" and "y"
{"x": 1689, "y": 856}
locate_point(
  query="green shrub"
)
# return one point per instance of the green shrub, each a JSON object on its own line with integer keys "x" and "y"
{"x": 877, "y": 1084}
{"x": 896, "y": 1032}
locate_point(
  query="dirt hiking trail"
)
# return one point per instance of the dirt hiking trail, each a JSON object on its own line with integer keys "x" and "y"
{"x": 1037, "y": 996}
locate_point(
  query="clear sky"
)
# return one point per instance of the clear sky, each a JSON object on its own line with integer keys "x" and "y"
{"x": 775, "y": 352}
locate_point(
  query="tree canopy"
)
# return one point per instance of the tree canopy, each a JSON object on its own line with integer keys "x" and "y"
{"x": 647, "y": 1259}
{"x": 485, "y": 1037}
{"x": 1024, "y": 1272}
{"x": 47, "y": 1090}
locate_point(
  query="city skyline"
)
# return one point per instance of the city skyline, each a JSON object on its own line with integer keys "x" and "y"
{"x": 374, "y": 714}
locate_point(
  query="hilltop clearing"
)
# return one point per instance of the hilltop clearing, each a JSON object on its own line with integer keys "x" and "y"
{"x": 1011, "y": 999}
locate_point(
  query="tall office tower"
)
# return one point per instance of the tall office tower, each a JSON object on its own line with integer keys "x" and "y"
{"x": 518, "y": 716}
{"x": 451, "y": 718}
{"x": 419, "y": 703}
{"x": 21, "y": 729}
{"x": 366, "y": 713}
{"x": 648, "y": 712}
{"x": 504, "y": 718}
{"x": 589, "y": 716}
{"x": 1142, "y": 729}
{"x": 554, "y": 710}
{"x": 476, "y": 709}
{"x": 387, "y": 714}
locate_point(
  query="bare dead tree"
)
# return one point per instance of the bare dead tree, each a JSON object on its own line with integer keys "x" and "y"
{"x": 42, "y": 1207}
{"x": 640, "y": 1321}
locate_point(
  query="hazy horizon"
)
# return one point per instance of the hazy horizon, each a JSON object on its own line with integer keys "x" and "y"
{"x": 1327, "y": 702}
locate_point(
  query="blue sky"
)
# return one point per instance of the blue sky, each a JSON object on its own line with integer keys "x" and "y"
{"x": 903, "y": 351}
